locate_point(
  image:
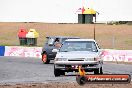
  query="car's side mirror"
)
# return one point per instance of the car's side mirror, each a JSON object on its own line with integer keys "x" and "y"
{"x": 55, "y": 50}
{"x": 100, "y": 50}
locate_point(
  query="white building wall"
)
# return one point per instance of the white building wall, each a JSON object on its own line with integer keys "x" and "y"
{"x": 62, "y": 11}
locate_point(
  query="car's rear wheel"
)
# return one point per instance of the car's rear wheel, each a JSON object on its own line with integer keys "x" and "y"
{"x": 45, "y": 58}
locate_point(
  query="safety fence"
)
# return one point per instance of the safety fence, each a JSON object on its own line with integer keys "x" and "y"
{"x": 107, "y": 54}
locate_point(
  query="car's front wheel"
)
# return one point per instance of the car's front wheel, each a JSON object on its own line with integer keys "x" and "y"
{"x": 45, "y": 58}
{"x": 101, "y": 70}
{"x": 58, "y": 72}
{"x": 98, "y": 71}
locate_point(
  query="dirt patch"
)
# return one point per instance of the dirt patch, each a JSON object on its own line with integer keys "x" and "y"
{"x": 66, "y": 85}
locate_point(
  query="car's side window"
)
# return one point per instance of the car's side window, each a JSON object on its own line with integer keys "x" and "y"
{"x": 50, "y": 41}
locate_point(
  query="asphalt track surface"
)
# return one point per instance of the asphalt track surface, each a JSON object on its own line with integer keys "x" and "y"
{"x": 32, "y": 70}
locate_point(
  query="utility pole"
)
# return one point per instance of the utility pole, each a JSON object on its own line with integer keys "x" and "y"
{"x": 94, "y": 28}
{"x": 94, "y": 31}
{"x": 97, "y": 13}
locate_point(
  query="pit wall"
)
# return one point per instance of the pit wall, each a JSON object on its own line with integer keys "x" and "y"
{"x": 20, "y": 51}
{"x": 107, "y": 54}
{"x": 117, "y": 55}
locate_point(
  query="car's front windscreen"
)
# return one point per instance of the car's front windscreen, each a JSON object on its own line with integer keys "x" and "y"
{"x": 78, "y": 46}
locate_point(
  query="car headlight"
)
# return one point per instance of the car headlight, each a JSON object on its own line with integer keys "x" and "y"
{"x": 61, "y": 59}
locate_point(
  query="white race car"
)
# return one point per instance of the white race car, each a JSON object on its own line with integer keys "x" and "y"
{"x": 78, "y": 52}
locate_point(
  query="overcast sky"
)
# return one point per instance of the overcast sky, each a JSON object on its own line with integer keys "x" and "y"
{"x": 62, "y": 11}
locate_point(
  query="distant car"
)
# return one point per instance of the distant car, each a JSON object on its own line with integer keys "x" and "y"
{"x": 76, "y": 52}
{"x": 52, "y": 42}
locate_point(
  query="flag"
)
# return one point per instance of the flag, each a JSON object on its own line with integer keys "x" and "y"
{"x": 83, "y": 9}
{"x": 80, "y": 10}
